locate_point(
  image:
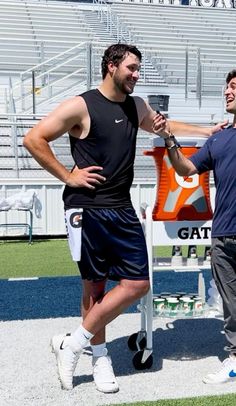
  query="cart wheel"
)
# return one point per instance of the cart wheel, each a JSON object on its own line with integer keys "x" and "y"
{"x": 132, "y": 342}
{"x": 137, "y": 361}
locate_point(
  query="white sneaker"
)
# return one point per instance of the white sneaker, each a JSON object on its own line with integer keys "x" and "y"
{"x": 226, "y": 373}
{"x": 67, "y": 355}
{"x": 103, "y": 375}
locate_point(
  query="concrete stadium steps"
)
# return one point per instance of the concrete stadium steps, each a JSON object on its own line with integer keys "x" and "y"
{"x": 165, "y": 41}
{"x": 144, "y": 168}
{"x": 166, "y": 67}
{"x": 12, "y": 164}
{"x": 35, "y": 31}
{"x": 27, "y": 26}
{"x": 24, "y": 174}
{"x": 25, "y": 166}
{"x": 152, "y": 75}
{"x": 98, "y": 27}
{"x": 169, "y": 26}
{"x": 5, "y": 142}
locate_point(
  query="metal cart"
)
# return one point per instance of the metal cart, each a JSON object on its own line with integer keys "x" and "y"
{"x": 169, "y": 233}
{"x": 157, "y": 234}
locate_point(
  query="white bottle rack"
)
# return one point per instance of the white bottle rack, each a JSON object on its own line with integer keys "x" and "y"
{"x": 161, "y": 233}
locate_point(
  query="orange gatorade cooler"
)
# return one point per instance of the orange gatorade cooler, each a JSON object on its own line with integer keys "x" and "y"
{"x": 179, "y": 198}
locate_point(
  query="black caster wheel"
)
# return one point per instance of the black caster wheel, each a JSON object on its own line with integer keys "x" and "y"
{"x": 138, "y": 358}
{"x": 132, "y": 342}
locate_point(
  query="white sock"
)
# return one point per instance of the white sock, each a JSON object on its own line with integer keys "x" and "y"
{"x": 99, "y": 350}
{"x": 82, "y": 336}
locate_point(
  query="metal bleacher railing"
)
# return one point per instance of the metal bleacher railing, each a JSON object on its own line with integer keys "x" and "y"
{"x": 79, "y": 68}
{"x": 177, "y": 61}
{"x": 178, "y": 44}
{"x": 17, "y": 163}
{"x": 203, "y": 29}
{"x": 179, "y": 47}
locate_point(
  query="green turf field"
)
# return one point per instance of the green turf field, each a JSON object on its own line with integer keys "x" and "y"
{"x": 42, "y": 258}
{"x": 47, "y": 258}
{"x": 227, "y": 400}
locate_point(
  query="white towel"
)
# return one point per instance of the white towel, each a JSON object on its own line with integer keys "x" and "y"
{"x": 21, "y": 200}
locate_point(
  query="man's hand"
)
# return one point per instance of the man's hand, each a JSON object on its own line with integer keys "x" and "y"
{"x": 219, "y": 127}
{"x": 161, "y": 126}
{"x": 86, "y": 177}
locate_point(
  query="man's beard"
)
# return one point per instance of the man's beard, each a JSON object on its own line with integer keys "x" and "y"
{"x": 120, "y": 85}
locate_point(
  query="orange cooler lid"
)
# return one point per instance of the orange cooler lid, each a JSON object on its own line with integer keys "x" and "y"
{"x": 179, "y": 198}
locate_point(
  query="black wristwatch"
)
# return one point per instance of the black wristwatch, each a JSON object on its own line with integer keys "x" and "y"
{"x": 171, "y": 142}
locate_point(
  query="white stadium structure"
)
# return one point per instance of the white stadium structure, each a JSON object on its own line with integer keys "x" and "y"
{"x": 51, "y": 50}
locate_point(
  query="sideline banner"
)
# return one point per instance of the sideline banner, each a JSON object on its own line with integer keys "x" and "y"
{"x": 193, "y": 3}
{"x": 181, "y": 233}
{"x": 209, "y": 3}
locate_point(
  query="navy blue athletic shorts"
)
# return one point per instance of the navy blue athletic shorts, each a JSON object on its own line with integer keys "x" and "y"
{"x": 113, "y": 245}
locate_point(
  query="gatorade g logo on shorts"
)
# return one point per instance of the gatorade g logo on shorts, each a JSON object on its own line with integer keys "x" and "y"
{"x": 76, "y": 219}
{"x": 179, "y": 198}
{"x": 73, "y": 220}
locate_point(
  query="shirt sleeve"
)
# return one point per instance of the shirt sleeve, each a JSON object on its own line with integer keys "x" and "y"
{"x": 202, "y": 159}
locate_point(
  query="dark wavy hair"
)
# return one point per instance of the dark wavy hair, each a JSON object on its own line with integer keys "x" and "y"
{"x": 230, "y": 76}
{"x": 116, "y": 53}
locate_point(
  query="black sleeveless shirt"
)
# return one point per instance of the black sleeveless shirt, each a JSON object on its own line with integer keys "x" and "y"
{"x": 111, "y": 143}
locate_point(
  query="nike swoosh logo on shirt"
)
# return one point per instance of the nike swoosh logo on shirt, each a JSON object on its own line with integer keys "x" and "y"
{"x": 118, "y": 121}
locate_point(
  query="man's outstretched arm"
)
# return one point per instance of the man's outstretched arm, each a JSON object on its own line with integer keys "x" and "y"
{"x": 154, "y": 122}
{"x": 182, "y": 129}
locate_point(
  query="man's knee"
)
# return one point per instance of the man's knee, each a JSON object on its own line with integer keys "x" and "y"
{"x": 145, "y": 287}
{"x": 137, "y": 289}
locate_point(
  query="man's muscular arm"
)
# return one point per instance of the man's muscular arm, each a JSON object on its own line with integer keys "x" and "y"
{"x": 68, "y": 114}
{"x": 154, "y": 122}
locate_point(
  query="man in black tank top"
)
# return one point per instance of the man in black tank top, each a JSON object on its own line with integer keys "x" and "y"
{"x": 105, "y": 235}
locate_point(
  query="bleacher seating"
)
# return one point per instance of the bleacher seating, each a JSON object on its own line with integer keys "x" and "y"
{"x": 35, "y": 35}
{"x": 33, "y": 32}
{"x": 196, "y": 28}
{"x": 16, "y": 162}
